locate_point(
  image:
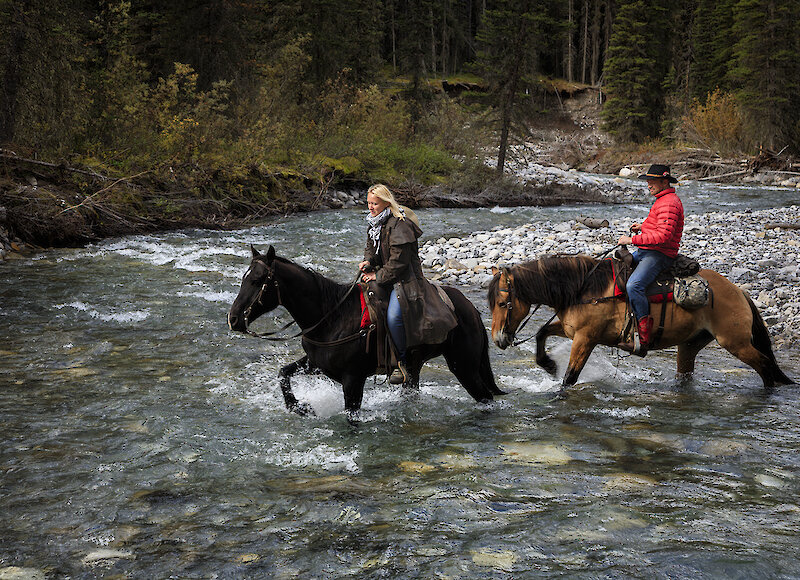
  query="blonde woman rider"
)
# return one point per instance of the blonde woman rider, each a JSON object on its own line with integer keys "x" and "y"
{"x": 416, "y": 314}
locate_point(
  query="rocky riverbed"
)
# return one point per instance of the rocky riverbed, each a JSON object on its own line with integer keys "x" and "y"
{"x": 762, "y": 260}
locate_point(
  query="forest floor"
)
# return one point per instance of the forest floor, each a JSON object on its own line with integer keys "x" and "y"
{"x": 47, "y": 205}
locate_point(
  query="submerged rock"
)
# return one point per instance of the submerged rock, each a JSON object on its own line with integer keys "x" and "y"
{"x": 490, "y": 558}
{"x": 546, "y": 453}
{"x": 17, "y": 573}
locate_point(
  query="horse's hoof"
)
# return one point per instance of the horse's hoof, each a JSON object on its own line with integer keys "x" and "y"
{"x": 303, "y": 409}
{"x": 549, "y": 366}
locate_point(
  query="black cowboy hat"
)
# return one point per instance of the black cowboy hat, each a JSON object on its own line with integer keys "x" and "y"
{"x": 658, "y": 172}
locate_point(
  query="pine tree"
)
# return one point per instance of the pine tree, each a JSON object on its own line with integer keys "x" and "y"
{"x": 511, "y": 38}
{"x": 44, "y": 98}
{"x": 635, "y": 70}
{"x": 712, "y": 45}
{"x": 766, "y": 70}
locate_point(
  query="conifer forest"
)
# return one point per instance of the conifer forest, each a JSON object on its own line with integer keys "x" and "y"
{"x": 258, "y": 94}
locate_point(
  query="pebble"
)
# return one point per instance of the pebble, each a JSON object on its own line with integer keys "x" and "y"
{"x": 764, "y": 263}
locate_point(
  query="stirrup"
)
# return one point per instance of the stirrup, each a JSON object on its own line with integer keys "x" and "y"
{"x": 399, "y": 375}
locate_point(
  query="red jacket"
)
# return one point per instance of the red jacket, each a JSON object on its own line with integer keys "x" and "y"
{"x": 663, "y": 227}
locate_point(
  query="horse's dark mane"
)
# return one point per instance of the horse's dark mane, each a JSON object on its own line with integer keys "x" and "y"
{"x": 557, "y": 281}
{"x": 330, "y": 291}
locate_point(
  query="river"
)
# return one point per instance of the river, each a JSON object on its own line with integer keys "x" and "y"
{"x": 141, "y": 438}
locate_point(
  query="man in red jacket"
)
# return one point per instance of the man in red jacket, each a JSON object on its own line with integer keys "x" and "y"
{"x": 657, "y": 238}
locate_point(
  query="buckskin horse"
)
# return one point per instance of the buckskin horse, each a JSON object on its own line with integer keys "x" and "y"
{"x": 329, "y": 316}
{"x": 581, "y": 291}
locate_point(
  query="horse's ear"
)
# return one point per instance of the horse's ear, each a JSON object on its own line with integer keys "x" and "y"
{"x": 254, "y": 251}
{"x": 495, "y": 271}
{"x": 270, "y": 255}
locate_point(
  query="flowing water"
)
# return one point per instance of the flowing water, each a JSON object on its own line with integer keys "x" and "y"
{"x": 141, "y": 438}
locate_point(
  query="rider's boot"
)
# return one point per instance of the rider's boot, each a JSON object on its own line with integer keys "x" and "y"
{"x": 400, "y": 375}
{"x": 644, "y": 328}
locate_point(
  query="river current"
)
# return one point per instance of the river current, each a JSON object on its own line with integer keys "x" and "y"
{"x": 139, "y": 437}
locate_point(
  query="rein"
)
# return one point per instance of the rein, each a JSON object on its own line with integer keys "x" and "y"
{"x": 270, "y": 335}
{"x": 510, "y": 289}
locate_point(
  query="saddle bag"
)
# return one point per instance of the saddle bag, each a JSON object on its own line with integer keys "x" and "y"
{"x": 690, "y": 292}
{"x": 684, "y": 266}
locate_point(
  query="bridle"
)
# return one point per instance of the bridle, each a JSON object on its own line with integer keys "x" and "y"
{"x": 271, "y": 280}
{"x": 509, "y": 305}
{"x": 510, "y": 290}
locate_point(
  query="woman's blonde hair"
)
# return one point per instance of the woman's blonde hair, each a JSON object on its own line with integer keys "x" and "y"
{"x": 399, "y": 211}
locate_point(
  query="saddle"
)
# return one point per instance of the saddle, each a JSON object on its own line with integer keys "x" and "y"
{"x": 374, "y": 306}
{"x": 662, "y": 289}
{"x": 679, "y": 283}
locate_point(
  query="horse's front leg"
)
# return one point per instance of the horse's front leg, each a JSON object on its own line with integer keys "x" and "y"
{"x": 582, "y": 347}
{"x": 291, "y": 401}
{"x": 542, "y": 358}
{"x": 353, "y": 388}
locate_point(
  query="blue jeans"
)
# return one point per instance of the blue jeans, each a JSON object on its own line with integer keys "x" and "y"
{"x": 649, "y": 264}
{"x": 394, "y": 320}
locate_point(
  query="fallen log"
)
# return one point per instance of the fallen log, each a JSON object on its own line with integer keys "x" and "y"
{"x": 20, "y": 160}
{"x": 742, "y": 172}
{"x": 594, "y": 223}
{"x": 782, "y": 226}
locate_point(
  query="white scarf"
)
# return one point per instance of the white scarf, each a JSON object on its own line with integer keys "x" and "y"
{"x": 375, "y": 225}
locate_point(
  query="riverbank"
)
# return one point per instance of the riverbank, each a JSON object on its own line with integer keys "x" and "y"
{"x": 52, "y": 205}
{"x": 744, "y": 246}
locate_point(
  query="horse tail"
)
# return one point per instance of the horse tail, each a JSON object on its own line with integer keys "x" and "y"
{"x": 761, "y": 341}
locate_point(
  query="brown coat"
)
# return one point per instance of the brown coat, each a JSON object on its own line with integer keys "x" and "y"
{"x": 426, "y": 317}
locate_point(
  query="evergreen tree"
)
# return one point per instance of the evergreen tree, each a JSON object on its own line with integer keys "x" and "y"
{"x": 712, "y": 45}
{"x": 635, "y": 70}
{"x": 767, "y": 70}
{"x": 344, "y": 34}
{"x": 511, "y": 39}
{"x": 45, "y": 99}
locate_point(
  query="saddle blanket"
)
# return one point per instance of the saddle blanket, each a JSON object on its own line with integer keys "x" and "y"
{"x": 660, "y": 290}
{"x": 366, "y": 319}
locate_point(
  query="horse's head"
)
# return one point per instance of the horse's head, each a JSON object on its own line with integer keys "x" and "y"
{"x": 259, "y": 291}
{"x": 508, "y": 309}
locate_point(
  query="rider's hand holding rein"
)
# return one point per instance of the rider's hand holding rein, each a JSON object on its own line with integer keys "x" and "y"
{"x": 366, "y": 267}
{"x": 624, "y": 240}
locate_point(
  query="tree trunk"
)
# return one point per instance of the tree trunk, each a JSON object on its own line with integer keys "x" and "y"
{"x": 394, "y": 42}
{"x": 508, "y": 105}
{"x": 445, "y": 47}
{"x": 433, "y": 43}
{"x": 585, "y": 39}
{"x": 570, "y": 47}
{"x": 13, "y": 72}
{"x": 595, "y": 43}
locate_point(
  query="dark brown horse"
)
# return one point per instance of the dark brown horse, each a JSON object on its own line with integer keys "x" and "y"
{"x": 329, "y": 315}
{"x": 581, "y": 291}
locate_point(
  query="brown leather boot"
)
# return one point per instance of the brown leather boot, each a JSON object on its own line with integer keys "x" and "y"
{"x": 644, "y": 327}
{"x": 400, "y": 375}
